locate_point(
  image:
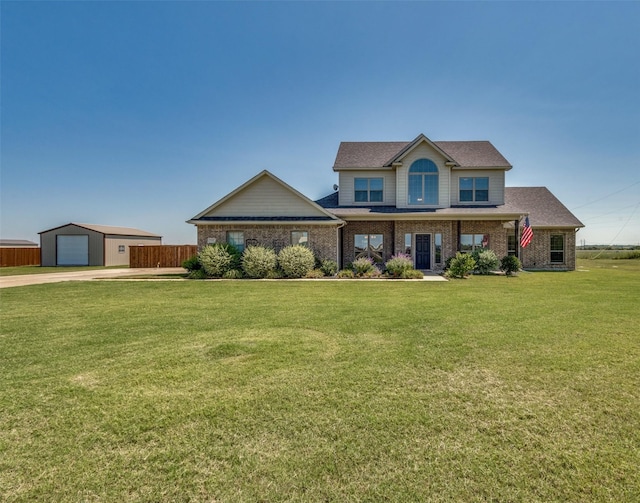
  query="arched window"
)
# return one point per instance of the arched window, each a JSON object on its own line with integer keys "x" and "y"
{"x": 423, "y": 182}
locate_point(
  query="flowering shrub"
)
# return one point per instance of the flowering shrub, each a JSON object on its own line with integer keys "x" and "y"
{"x": 258, "y": 261}
{"x": 219, "y": 258}
{"x": 399, "y": 264}
{"x": 363, "y": 266}
{"x": 461, "y": 265}
{"x": 296, "y": 261}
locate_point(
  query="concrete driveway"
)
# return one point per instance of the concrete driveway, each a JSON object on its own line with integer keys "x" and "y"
{"x": 56, "y": 277}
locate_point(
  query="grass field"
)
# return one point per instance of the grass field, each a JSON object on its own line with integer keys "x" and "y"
{"x": 486, "y": 389}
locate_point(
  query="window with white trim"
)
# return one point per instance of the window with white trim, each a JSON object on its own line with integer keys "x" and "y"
{"x": 368, "y": 190}
{"x": 120, "y": 248}
{"x": 423, "y": 182}
{"x": 474, "y": 189}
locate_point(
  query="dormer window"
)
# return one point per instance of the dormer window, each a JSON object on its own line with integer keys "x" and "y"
{"x": 423, "y": 182}
{"x": 474, "y": 189}
{"x": 368, "y": 190}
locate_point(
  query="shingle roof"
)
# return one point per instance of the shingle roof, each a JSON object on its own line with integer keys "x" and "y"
{"x": 467, "y": 154}
{"x": 543, "y": 208}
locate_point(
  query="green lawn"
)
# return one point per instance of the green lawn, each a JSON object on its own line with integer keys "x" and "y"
{"x": 487, "y": 389}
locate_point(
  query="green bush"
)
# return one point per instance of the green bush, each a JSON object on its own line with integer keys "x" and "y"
{"x": 486, "y": 261}
{"x": 258, "y": 261}
{"x": 411, "y": 274}
{"x": 346, "y": 274}
{"x": 510, "y": 264}
{"x": 362, "y": 266}
{"x": 233, "y": 274}
{"x": 315, "y": 274}
{"x": 329, "y": 267}
{"x": 399, "y": 264}
{"x": 461, "y": 265}
{"x": 192, "y": 264}
{"x": 197, "y": 274}
{"x": 219, "y": 258}
{"x": 296, "y": 261}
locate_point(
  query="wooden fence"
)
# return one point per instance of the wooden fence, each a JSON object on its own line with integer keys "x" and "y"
{"x": 161, "y": 255}
{"x": 13, "y": 257}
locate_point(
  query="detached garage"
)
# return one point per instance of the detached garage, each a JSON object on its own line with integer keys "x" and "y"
{"x": 88, "y": 244}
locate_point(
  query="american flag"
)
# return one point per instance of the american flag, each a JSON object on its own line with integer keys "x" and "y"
{"x": 527, "y": 233}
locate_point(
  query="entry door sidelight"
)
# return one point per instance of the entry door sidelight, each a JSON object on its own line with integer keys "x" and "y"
{"x": 423, "y": 251}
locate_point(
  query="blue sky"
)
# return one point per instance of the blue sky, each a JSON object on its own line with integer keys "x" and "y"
{"x": 142, "y": 114}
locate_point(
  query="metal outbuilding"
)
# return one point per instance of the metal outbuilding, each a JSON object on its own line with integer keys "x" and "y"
{"x": 89, "y": 244}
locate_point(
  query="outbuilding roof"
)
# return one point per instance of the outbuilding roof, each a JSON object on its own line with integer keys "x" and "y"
{"x": 466, "y": 154}
{"x": 109, "y": 229}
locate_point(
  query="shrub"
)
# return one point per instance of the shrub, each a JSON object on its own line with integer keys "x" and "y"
{"x": 398, "y": 264}
{"x": 329, "y": 267}
{"x": 461, "y": 265}
{"x": 486, "y": 261}
{"x": 315, "y": 274}
{"x": 412, "y": 274}
{"x": 197, "y": 274}
{"x": 296, "y": 261}
{"x": 447, "y": 263}
{"x": 362, "y": 266}
{"x": 346, "y": 274}
{"x": 192, "y": 264}
{"x": 510, "y": 264}
{"x": 219, "y": 258}
{"x": 258, "y": 261}
{"x": 233, "y": 274}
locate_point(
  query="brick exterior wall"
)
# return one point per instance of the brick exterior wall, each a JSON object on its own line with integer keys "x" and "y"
{"x": 323, "y": 239}
{"x": 538, "y": 254}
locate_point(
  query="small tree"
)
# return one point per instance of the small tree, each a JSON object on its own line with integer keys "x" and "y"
{"x": 258, "y": 262}
{"x": 461, "y": 265}
{"x": 219, "y": 258}
{"x": 510, "y": 264}
{"x": 296, "y": 261}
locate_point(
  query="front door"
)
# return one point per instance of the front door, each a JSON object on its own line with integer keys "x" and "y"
{"x": 423, "y": 251}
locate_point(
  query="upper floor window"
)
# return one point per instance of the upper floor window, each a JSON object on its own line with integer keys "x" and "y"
{"x": 368, "y": 190}
{"x": 474, "y": 189}
{"x": 423, "y": 182}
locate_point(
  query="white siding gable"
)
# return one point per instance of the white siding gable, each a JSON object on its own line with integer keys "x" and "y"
{"x": 346, "y": 183}
{"x": 265, "y": 197}
{"x": 423, "y": 151}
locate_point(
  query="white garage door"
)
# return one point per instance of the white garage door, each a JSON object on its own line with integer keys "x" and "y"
{"x": 72, "y": 250}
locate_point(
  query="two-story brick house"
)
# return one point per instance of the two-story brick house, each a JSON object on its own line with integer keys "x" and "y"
{"x": 427, "y": 199}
